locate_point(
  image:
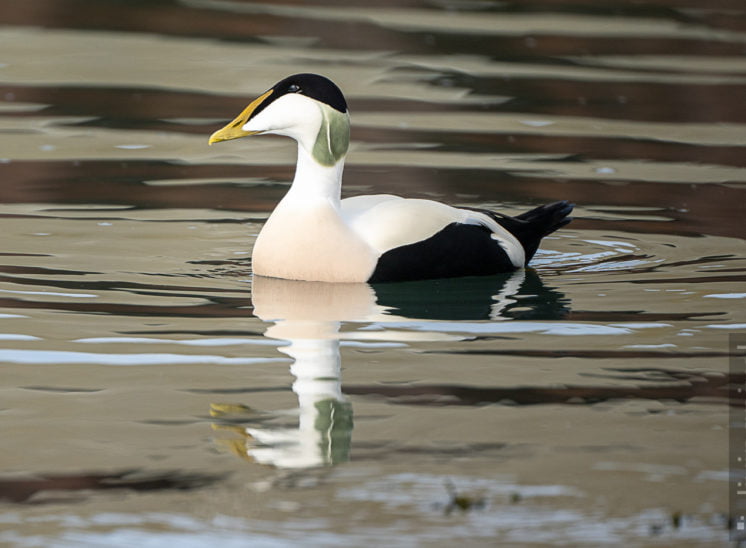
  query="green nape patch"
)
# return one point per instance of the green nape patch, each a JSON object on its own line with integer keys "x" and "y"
{"x": 333, "y": 138}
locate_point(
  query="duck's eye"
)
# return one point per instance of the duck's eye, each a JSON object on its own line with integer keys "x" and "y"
{"x": 293, "y": 88}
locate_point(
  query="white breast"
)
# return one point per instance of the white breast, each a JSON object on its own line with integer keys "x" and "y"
{"x": 310, "y": 241}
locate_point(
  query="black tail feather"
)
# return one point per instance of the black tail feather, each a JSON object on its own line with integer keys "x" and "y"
{"x": 530, "y": 227}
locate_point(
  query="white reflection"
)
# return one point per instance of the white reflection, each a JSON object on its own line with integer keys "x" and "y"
{"x": 309, "y": 315}
{"x": 59, "y": 357}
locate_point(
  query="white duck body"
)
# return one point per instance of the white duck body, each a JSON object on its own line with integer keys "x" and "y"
{"x": 313, "y": 235}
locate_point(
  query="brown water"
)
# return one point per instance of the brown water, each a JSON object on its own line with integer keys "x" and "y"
{"x": 154, "y": 394}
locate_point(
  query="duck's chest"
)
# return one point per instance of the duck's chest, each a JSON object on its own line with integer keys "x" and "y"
{"x": 311, "y": 243}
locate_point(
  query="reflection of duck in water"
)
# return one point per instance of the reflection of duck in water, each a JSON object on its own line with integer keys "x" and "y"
{"x": 309, "y": 315}
{"x": 314, "y": 235}
{"x": 511, "y": 296}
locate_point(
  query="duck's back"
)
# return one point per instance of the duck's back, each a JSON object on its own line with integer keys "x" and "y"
{"x": 423, "y": 239}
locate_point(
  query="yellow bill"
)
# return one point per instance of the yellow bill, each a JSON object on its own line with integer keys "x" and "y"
{"x": 234, "y": 129}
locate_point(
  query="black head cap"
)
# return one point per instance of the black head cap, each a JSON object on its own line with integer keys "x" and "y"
{"x": 314, "y": 86}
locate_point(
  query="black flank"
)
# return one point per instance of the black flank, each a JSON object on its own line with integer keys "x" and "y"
{"x": 457, "y": 250}
{"x": 469, "y": 250}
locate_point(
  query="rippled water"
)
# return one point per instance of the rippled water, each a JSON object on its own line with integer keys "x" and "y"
{"x": 155, "y": 393}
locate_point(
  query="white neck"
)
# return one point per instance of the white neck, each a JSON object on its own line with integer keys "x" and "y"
{"x": 313, "y": 181}
{"x": 306, "y": 235}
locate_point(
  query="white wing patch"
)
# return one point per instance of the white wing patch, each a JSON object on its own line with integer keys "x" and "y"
{"x": 386, "y": 222}
{"x": 505, "y": 239}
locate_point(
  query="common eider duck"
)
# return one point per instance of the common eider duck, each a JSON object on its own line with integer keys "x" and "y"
{"x": 315, "y": 235}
